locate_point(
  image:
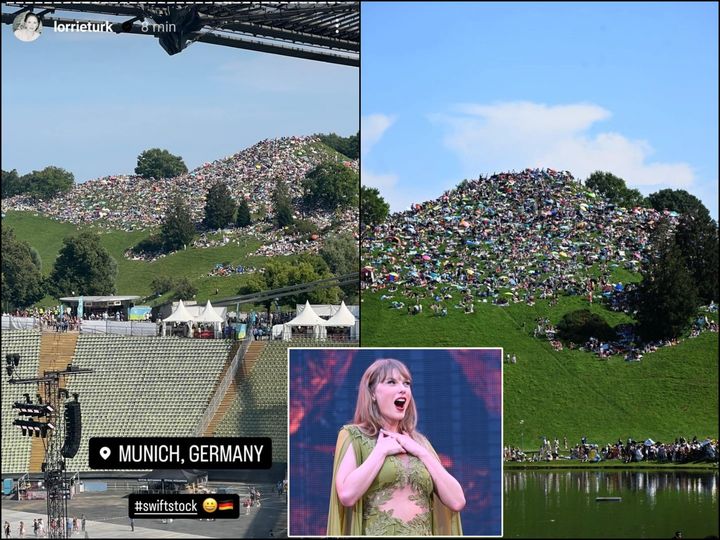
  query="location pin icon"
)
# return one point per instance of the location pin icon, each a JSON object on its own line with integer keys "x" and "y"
{"x": 104, "y": 452}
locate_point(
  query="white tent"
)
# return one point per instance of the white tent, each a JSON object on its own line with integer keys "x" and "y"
{"x": 277, "y": 331}
{"x": 209, "y": 315}
{"x": 308, "y": 317}
{"x": 344, "y": 318}
{"x": 181, "y": 314}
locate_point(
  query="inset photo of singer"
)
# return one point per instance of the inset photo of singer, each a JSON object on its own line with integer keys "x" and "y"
{"x": 395, "y": 442}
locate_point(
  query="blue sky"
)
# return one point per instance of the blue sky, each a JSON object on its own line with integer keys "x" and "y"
{"x": 453, "y": 90}
{"x": 90, "y": 103}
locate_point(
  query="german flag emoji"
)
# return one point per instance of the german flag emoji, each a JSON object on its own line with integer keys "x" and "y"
{"x": 225, "y": 505}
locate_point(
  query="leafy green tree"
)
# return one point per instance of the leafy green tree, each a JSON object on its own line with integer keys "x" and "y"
{"x": 83, "y": 267}
{"x": 678, "y": 200}
{"x": 219, "y": 206}
{"x": 348, "y": 146}
{"x": 152, "y": 245}
{"x": 697, "y": 238}
{"x": 281, "y": 272}
{"x": 177, "y": 229}
{"x": 22, "y": 281}
{"x": 330, "y": 186}
{"x": 580, "y": 325}
{"x": 157, "y": 163}
{"x": 162, "y": 284}
{"x": 40, "y": 185}
{"x": 614, "y": 189}
{"x": 46, "y": 184}
{"x": 304, "y": 226}
{"x": 667, "y": 297}
{"x": 373, "y": 208}
{"x": 11, "y": 184}
{"x": 282, "y": 205}
{"x": 243, "y": 214}
{"x": 340, "y": 252}
{"x": 184, "y": 289}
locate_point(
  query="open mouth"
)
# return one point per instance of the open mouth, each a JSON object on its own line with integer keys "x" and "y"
{"x": 400, "y": 403}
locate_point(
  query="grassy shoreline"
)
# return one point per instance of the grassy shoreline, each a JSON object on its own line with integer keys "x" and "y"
{"x": 613, "y": 465}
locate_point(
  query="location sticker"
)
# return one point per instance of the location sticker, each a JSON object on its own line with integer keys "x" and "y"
{"x": 104, "y": 452}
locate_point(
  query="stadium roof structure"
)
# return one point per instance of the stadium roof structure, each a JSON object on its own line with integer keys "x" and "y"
{"x": 323, "y": 31}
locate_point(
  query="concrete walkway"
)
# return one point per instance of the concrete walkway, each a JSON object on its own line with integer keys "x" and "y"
{"x": 93, "y": 529}
{"x": 107, "y": 517}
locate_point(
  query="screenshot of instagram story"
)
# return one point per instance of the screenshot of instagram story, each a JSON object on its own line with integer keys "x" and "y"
{"x": 180, "y": 206}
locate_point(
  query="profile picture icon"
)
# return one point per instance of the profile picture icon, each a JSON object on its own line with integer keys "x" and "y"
{"x": 27, "y": 26}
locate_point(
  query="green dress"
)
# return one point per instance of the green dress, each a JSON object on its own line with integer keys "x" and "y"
{"x": 403, "y": 482}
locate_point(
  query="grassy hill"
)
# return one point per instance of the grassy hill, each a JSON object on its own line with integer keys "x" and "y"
{"x": 134, "y": 277}
{"x": 670, "y": 393}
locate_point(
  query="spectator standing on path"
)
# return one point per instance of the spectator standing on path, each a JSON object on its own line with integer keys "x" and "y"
{"x": 82, "y": 521}
{"x": 132, "y": 524}
{"x": 21, "y": 530}
{"x": 7, "y": 529}
{"x": 35, "y": 527}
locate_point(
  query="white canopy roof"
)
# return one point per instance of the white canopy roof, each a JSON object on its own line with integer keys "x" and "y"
{"x": 181, "y": 314}
{"x": 343, "y": 317}
{"x": 209, "y": 314}
{"x": 307, "y": 318}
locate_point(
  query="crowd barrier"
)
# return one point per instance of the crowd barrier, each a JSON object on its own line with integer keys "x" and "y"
{"x": 122, "y": 328}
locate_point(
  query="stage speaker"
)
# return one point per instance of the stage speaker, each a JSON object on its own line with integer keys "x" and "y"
{"x": 73, "y": 430}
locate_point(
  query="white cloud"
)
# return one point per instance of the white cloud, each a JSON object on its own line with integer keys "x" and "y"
{"x": 515, "y": 135}
{"x": 372, "y": 128}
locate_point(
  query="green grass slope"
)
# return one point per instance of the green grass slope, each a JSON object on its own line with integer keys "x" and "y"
{"x": 670, "y": 393}
{"x": 134, "y": 277}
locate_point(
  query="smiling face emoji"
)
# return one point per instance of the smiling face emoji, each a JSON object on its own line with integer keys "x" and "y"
{"x": 209, "y": 505}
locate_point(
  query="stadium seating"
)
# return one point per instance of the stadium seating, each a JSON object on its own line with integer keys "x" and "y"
{"x": 15, "y": 447}
{"x": 153, "y": 386}
{"x": 144, "y": 386}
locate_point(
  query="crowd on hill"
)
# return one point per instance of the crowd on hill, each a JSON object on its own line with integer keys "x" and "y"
{"x": 226, "y": 270}
{"x": 681, "y": 450}
{"x": 513, "y": 237}
{"x": 625, "y": 343}
{"x": 133, "y": 203}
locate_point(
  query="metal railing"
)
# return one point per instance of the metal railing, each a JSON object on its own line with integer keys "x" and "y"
{"x": 86, "y": 326}
{"x": 222, "y": 388}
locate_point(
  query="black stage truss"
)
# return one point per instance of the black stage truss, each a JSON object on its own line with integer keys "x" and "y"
{"x": 323, "y": 31}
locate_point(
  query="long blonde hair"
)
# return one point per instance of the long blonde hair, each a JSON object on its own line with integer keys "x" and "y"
{"x": 367, "y": 414}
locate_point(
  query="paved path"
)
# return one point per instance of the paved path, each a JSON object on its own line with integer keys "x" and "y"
{"x": 107, "y": 517}
{"x": 93, "y": 529}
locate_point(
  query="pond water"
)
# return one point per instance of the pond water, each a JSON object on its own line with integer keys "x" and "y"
{"x": 655, "y": 504}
